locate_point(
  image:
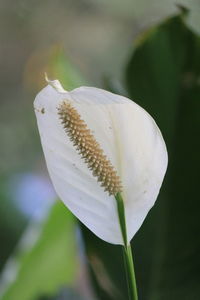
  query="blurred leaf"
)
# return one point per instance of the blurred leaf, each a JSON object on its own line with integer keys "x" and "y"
{"x": 154, "y": 72}
{"x": 55, "y": 62}
{"x": 42, "y": 266}
{"x": 59, "y": 67}
{"x": 163, "y": 77}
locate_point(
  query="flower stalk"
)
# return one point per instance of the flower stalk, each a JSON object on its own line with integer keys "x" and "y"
{"x": 128, "y": 258}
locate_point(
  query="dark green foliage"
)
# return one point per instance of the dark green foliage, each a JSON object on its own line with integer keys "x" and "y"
{"x": 163, "y": 77}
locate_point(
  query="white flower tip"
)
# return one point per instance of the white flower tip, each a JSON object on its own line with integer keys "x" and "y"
{"x": 55, "y": 84}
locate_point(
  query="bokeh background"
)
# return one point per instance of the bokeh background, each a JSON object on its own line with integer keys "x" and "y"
{"x": 89, "y": 42}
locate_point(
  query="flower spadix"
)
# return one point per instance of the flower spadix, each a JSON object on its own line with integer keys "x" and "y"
{"x": 89, "y": 148}
{"x": 98, "y": 144}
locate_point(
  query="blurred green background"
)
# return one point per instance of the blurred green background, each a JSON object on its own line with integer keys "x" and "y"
{"x": 147, "y": 50}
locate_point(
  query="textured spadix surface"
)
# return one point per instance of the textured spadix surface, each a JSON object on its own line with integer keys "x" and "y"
{"x": 129, "y": 138}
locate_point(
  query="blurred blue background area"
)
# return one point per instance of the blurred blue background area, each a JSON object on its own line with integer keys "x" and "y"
{"x": 32, "y": 193}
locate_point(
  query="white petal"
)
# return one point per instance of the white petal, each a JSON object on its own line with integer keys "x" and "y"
{"x": 130, "y": 139}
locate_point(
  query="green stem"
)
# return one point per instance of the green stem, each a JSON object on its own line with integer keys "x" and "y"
{"x": 128, "y": 259}
{"x": 130, "y": 273}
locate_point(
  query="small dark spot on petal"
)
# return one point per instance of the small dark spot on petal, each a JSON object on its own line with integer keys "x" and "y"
{"x": 43, "y": 110}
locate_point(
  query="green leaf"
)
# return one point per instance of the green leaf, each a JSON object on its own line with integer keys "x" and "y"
{"x": 177, "y": 274}
{"x": 59, "y": 67}
{"x": 154, "y": 73}
{"x": 47, "y": 264}
{"x": 163, "y": 77}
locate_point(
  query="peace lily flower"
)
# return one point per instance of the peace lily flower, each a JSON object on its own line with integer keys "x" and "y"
{"x": 98, "y": 144}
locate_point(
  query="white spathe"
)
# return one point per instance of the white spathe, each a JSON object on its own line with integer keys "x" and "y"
{"x": 132, "y": 142}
